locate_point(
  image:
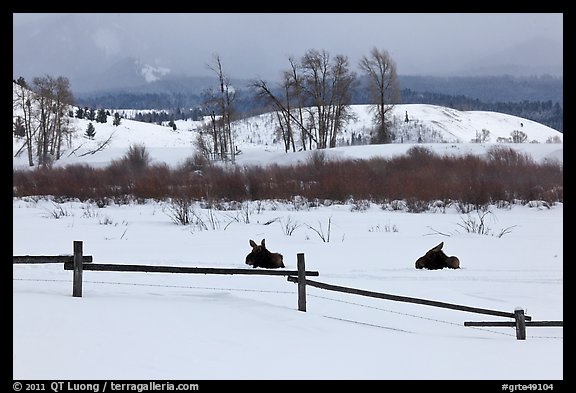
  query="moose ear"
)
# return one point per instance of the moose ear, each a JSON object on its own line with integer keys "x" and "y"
{"x": 438, "y": 247}
{"x": 263, "y": 243}
{"x": 253, "y": 243}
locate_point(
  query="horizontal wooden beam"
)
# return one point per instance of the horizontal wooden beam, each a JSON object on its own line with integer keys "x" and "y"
{"x": 512, "y": 324}
{"x": 406, "y": 299}
{"x": 185, "y": 269}
{"x": 48, "y": 259}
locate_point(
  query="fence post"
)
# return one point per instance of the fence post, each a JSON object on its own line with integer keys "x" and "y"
{"x": 301, "y": 283}
{"x": 77, "y": 280}
{"x": 520, "y": 324}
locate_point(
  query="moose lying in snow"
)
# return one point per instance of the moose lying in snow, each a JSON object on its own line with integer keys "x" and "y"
{"x": 436, "y": 259}
{"x": 261, "y": 257}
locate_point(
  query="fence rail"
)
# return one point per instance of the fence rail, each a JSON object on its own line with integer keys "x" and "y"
{"x": 111, "y": 267}
{"x": 78, "y": 267}
{"x": 512, "y": 324}
{"x": 406, "y": 299}
{"x": 519, "y": 323}
{"x": 36, "y": 259}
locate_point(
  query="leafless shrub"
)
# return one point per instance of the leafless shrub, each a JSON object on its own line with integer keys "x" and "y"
{"x": 179, "y": 210}
{"x": 101, "y": 202}
{"x": 360, "y": 205}
{"x": 414, "y": 205}
{"x": 465, "y": 208}
{"x": 197, "y": 162}
{"x": 58, "y": 211}
{"x": 538, "y": 204}
{"x": 478, "y": 224}
{"x": 300, "y": 203}
{"x": 324, "y": 235}
{"x": 289, "y": 226}
{"x": 90, "y": 213}
{"x": 207, "y": 221}
{"x": 242, "y": 215}
{"x": 106, "y": 221}
{"x": 384, "y": 228}
{"x": 395, "y": 205}
{"x": 137, "y": 158}
{"x": 518, "y": 136}
{"x": 317, "y": 158}
{"x": 465, "y": 181}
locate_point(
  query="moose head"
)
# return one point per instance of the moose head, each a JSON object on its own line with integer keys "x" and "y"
{"x": 436, "y": 259}
{"x": 261, "y": 257}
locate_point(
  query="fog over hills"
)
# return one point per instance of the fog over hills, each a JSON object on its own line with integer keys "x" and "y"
{"x": 111, "y": 51}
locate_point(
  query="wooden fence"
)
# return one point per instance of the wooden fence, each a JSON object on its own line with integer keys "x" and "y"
{"x": 79, "y": 263}
{"x": 520, "y": 323}
{"x": 520, "y": 319}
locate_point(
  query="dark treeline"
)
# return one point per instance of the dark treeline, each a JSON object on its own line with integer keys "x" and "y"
{"x": 160, "y": 107}
{"x": 533, "y": 98}
{"x": 495, "y": 88}
{"x": 544, "y": 112}
{"x": 126, "y": 100}
{"x": 418, "y": 177}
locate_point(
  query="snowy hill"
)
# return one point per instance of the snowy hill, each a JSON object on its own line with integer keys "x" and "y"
{"x": 440, "y": 128}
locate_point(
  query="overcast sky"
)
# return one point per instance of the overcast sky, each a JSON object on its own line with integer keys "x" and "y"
{"x": 259, "y": 44}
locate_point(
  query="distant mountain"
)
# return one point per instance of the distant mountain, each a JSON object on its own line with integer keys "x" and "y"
{"x": 490, "y": 89}
{"x": 102, "y": 47}
{"x": 519, "y": 60}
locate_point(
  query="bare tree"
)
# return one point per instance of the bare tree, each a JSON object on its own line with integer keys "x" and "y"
{"x": 52, "y": 100}
{"x": 343, "y": 81}
{"x": 23, "y": 100}
{"x": 214, "y": 129}
{"x": 264, "y": 92}
{"x": 224, "y": 99}
{"x": 326, "y": 85}
{"x": 294, "y": 79}
{"x": 44, "y": 89}
{"x": 315, "y": 97}
{"x": 383, "y": 88}
{"x": 315, "y": 66}
{"x": 63, "y": 100}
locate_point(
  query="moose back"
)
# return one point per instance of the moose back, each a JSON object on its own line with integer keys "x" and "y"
{"x": 436, "y": 259}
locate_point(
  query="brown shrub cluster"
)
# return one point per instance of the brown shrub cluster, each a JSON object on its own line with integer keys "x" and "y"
{"x": 419, "y": 175}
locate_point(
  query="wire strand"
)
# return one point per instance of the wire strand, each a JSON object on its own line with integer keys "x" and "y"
{"x": 291, "y": 292}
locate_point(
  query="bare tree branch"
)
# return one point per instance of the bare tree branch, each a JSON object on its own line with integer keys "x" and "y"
{"x": 99, "y": 148}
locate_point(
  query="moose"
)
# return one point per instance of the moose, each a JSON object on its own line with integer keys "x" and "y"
{"x": 436, "y": 259}
{"x": 261, "y": 257}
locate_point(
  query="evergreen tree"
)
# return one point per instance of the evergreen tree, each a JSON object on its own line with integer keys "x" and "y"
{"x": 101, "y": 116}
{"x": 80, "y": 113}
{"x": 19, "y": 129}
{"x": 116, "y": 121}
{"x": 21, "y": 82}
{"x": 90, "y": 131}
{"x": 90, "y": 113}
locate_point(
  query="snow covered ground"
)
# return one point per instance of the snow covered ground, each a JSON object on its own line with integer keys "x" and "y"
{"x": 186, "y": 326}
